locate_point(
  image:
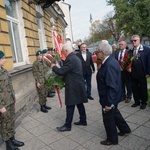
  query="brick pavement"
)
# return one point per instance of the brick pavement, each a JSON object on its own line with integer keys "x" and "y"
{"x": 38, "y": 130}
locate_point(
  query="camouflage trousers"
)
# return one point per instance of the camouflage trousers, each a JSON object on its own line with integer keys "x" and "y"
{"x": 7, "y": 123}
{"x": 42, "y": 92}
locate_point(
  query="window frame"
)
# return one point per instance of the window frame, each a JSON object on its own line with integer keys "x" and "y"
{"x": 21, "y": 33}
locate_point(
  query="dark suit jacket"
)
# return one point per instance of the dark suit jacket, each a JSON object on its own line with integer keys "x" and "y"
{"x": 109, "y": 82}
{"x": 75, "y": 92}
{"x": 145, "y": 57}
{"x": 117, "y": 53}
{"x": 88, "y": 65}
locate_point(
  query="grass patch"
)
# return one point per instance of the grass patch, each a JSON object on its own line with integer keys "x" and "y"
{"x": 148, "y": 82}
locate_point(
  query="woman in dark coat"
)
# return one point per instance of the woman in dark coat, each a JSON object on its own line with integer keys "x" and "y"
{"x": 75, "y": 93}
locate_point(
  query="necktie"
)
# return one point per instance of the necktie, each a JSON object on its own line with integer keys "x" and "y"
{"x": 135, "y": 51}
{"x": 120, "y": 56}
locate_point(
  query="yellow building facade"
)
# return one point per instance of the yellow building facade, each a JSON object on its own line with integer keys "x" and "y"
{"x": 29, "y": 16}
{"x": 26, "y": 27}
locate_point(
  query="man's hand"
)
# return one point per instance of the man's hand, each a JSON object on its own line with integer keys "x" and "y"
{"x": 129, "y": 70}
{"x": 3, "y": 110}
{"x": 107, "y": 108}
{"x": 52, "y": 65}
{"x": 38, "y": 85}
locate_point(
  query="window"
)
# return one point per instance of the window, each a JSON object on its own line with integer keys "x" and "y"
{"x": 39, "y": 23}
{"x": 13, "y": 24}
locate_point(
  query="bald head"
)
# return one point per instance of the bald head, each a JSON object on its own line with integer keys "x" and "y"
{"x": 122, "y": 45}
{"x": 104, "y": 41}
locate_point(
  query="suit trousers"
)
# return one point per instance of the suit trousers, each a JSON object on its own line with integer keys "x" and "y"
{"x": 70, "y": 113}
{"x": 88, "y": 79}
{"x": 139, "y": 88}
{"x": 126, "y": 85}
{"x": 111, "y": 120}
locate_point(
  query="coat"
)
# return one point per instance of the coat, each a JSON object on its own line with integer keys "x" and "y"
{"x": 7, "y": 93}
{"x": 144, "y": 53}
{"x": 109, "y": 82}
{"x": 75, "y": 92}
{"x": 88, "y": 65}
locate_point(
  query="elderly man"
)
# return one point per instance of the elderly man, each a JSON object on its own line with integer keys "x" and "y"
{"x": 109, "y": 90}
{"x": 75, "y": 93}
{"x": 140, "y": 70}
{"x": 125, "y": 75}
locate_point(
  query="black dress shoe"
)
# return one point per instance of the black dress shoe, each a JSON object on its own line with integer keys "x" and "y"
{"x": 81, "y": 123}
{"x": 47, "y": 107}
{"x": 16, "y": 143}
{"x": 43, "y": 109}
{"x": 90, "y": 97}
{"x": 123, "y": 99}
{"x": 135, "y": 105}
{"x": 123, "y": 133}
{"x": 127, "y": 100}
{"x": 63, "y": 128}
{"x": 107, "y": 143}
{"x": 143, "y": 106}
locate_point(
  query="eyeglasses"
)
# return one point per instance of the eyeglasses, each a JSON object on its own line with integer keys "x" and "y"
{"x": 133, "y": 40}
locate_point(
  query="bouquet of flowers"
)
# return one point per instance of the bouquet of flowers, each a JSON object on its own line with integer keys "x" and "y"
{"x": 54, "y": 80}
{"x": 127, "y": 62}
{"x": 98, "y": 61}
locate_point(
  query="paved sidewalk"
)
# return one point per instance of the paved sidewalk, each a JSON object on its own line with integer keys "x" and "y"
{"x": 38, "y": 130}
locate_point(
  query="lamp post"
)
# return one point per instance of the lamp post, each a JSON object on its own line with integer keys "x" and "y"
{"x": 91, "y": 21}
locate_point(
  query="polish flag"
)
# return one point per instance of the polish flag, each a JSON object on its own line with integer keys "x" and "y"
{"x": 58, "y": 44}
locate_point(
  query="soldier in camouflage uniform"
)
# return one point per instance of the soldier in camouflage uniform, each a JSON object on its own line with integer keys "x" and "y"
{"x": 7, "y": 108}
{"x": 39, "y": 74}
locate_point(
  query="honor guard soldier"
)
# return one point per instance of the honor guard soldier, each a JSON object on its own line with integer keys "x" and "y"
{"x": 7, "y": 108}
{"x": 39, "y": 76}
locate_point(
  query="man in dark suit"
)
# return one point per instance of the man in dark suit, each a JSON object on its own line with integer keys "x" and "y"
{"x": 125, "y": 74}
{"x": 140, "y": 70}
{"x": 109, "y": 90}
{"x": 87, "y": 66}
{"x": 75, "y": 93}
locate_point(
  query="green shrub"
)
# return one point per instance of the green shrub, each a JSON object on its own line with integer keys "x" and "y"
{"x": 148, "y": 82}
{"x": 148, "y": 102}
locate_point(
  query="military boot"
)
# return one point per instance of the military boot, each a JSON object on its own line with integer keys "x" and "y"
{"x": 43, "y": 109}
{"x": 16, "y": 143}
{"x": 10, "y": 146}
{"x": 47, "y": 107}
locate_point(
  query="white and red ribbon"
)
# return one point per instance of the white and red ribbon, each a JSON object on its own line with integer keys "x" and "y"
{"x": 59, "y": 97}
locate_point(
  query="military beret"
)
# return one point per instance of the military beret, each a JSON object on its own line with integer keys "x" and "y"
{"x": 50, "y": 49}
{"x": 38, "y": 53}
{"x": 44, "y": 51}
{"x": 1, "y": 54}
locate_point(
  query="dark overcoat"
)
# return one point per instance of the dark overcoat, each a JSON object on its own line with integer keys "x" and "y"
{"x": 109, "y": 82}
{"x": 75, "y": 92}
{"x": 88, "y": 65}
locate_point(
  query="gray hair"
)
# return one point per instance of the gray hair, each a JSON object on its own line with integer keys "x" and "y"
{"x": 67, "y": 46}
{"x": 133, "y": 36}
{"x": 105, "y": 48}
